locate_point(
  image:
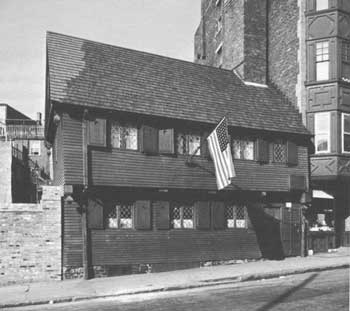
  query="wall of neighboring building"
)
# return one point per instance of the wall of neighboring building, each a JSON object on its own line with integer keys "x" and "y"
{"x": 5, "y": 173}
{"x": 30, "y": 239}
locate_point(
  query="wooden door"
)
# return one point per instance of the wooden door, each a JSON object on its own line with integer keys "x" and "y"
{"x": 291, "y": 230}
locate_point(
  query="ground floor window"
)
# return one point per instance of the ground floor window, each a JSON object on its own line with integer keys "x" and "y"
{"x": 120, "y": 216}
{"x": 181, "y": 216}
{"x": 236, "y": 216}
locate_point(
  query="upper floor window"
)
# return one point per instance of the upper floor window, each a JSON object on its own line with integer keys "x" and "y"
{"x": 346, "y": 52}
{"x": 123, "y": 136}
{"x": 321, "y": 5}
{"x": 34, "y": 147}
{"x": 121, "y": 216}
{"x": 279, "y": 152}
{"x": 188, "y": 143}
{"x": 322, "y": 60}
{"x": 346, "y": 132}
{"x": 236, "y": 216}
{"x": 181, "y": 216}
{"x": 243, "y": 149}
{"x": 322, "y": 132}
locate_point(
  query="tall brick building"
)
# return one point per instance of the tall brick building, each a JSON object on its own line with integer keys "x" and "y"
{"x": 302, "y": 47}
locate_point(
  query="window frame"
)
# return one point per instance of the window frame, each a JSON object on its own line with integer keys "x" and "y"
{"x": 284, "y": 144}
{"x": 234, "y": 213}
{"x": 345, "y": 52}
{"x": 181, "y": 206}
{"x": 187, "y": 142}
{"x": 117, "y": 206}
{"x": 325, "y": 59}
{"x": 317, "y": 3}
{"x": 124, "y": 125}
{"x": 38, "y": 147}
{"x": 343, "y": 133}
{"x": 241, "y": 141}
{"x": 316, "y": 116}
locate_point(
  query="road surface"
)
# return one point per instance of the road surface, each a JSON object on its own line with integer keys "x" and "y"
{"x": 327, "y": 290}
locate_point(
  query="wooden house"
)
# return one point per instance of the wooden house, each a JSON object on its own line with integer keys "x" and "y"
{"x": 123, "y": 125}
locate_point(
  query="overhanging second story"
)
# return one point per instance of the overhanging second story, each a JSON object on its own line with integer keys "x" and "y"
{"x": 141, "y": 121}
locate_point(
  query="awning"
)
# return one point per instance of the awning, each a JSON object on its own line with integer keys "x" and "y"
{"x": 319, "y": 194}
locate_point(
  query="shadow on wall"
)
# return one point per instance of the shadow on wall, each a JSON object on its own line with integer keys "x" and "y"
{"x": 268, "y": 232}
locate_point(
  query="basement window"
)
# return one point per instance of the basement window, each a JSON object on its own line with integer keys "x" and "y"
{"x": 120, "y": 216}
{"x": 236, "y": 216}
{"x": 181, "y": 216}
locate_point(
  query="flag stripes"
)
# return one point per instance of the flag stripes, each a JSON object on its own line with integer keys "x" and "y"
{"x": 220, "y": 151}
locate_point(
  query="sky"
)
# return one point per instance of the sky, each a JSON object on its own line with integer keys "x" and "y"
{"x": 164, "y": 27}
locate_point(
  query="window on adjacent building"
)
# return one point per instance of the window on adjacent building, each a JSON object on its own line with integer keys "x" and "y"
{"x": 346, "y": 52}
{"x": 236, "y": 216}
{"x": 181, "y": 216}
{"x": 321, "y": 5}
{"x": 243, "y": 149}
{"x": 346, "y": 132}
{"x": 120, "y": 216}
{"x": 188, "y": 143}
{"x": 322, "y": 60}
{"x": 322, "y": 132}
{"x": 34, "y": 147}
{"x": 279, "y": 152}
{"x": 123, "y": 136}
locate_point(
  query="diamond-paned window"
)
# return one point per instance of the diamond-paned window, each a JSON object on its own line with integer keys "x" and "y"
{"x": 120, "y": 216}
{"x": 188, "y": 143}
{"x": 181, "y": 216}
{"x": 243, "y": 149}
{"x": 279, "y": 152}
{"x": 123, "y": 136}
{"x": 235, "y": 216}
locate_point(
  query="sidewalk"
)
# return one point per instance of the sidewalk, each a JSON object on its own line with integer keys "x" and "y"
{"x": 73, "y": 290}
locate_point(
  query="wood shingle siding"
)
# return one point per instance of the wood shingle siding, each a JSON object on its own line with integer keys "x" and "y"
{"x": 113, "y": 169}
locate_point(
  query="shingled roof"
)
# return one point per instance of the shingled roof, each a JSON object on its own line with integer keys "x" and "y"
{"x": 92, "y": 74}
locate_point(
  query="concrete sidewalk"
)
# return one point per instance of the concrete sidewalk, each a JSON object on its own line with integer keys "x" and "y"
{"x": 74, "y": 290}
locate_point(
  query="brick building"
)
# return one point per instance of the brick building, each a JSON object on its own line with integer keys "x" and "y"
{"x": 303, "y": 49}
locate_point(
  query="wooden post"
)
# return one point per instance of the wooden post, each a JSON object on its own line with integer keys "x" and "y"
{"x": 84, "y": 221}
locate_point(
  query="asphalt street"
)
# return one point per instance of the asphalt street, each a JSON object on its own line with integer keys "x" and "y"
{"x": 327, "y": 290}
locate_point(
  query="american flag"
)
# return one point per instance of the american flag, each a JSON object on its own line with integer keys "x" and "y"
{"x": 219, "y": 147}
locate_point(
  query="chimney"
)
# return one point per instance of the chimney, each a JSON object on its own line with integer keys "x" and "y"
{"x": 38, "y": 118}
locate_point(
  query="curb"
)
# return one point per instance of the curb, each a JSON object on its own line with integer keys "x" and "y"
{"x": 200, "y": 284}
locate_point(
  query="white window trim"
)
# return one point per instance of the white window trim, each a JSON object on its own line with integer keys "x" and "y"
{"x": 319, "y": 114}
{"x": 343, "y": 132}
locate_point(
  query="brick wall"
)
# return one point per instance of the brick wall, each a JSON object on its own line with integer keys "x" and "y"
{"x": 30, "y": 239}
{"x": 5, "y": 173}
{"x": 283, "y": 46}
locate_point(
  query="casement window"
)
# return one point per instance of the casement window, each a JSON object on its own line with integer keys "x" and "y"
{"x": 181, "y": 216}
{"x": 243, "y": 149}
{"x": 279, "y": 152}
{"x": 322, "y": 132}
{"x": 346, "y": 132}
{"x": 322, "y": 60}
{"x": 121, "y": 216}
{"x": 34, "y": 147}
{"x": 188, "y": 143}
{"x": 124, "y": 136}
{"x": 346, "y": 52}
{"x": 321, "y": 5}
{"x": 236, "y": 216}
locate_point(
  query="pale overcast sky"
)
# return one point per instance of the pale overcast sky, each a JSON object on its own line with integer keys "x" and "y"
{"x": 164, "y": 27}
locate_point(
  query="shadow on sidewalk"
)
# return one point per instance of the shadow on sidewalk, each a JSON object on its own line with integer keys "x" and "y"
{"x": 288, "y": 293}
